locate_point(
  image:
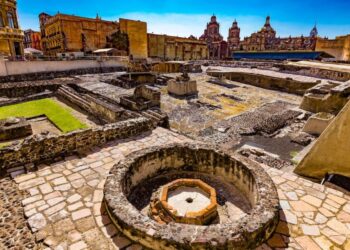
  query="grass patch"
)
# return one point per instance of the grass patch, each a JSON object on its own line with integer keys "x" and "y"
{"x": 293, "y": 153}
{"x": 60, "y": 116}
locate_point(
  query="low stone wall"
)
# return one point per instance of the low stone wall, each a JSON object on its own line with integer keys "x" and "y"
{"x": 41, "y": 148}
{"x": 149, "y": 93}
{"x": 103, "y": 110}
{"x": 250, "y": 179}
{"x": 326, "y": 97}
{"x": 57, "y": 74}
{"x": 144, "y": 97}
{"x": 182, "y": 88}
{"x": 22, "y": 89}
{"x": 287, "y": 85}
{"x": 315, "y": 72}
{"x": 133, "y": 79}
{"x": 107, "y": 111}
{"x": 11, "y": 101}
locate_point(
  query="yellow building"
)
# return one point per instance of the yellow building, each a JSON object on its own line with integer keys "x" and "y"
{"x": 176, "y": 48}
{"x": 338, "y": 47}
{"x": 11, "y": 37}
{"x": 68, "y": 33}
{"x": 137, "y": 34}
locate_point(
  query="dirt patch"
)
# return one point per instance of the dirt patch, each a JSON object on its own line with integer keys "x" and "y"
{"x": 42, "y": 124}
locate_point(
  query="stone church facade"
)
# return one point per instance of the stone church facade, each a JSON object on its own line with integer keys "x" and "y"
{"x": 264, "y": 40}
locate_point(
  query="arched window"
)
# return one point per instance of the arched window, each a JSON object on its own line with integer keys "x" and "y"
{"x": 10, "y": 20}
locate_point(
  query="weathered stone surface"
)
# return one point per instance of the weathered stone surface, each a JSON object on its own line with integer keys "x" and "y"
{"x": 180, "y": 155}
{"x": 37, "y": 222}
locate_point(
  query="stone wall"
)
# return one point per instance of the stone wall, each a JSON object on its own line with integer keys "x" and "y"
{"x": 23, "y": 89}
{"x": 182, "y": 88}
{"x": 134, "y": 79}
{"x": 39, "y": 148}
{"x": 338, "y": 47}
{"x": 105, "y": 111}
{"x": 287, "y": 85}
{"x": 144, "y": 97}
{"x": 326, "y": 97}
{"x": 12, "y": 71}
{"x": 315, "y": 72}
{"x": 137, "y": 34}
{"x": 149, "y": 93}
{"x": 176, "y": 48}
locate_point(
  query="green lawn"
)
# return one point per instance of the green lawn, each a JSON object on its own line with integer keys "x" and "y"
{"x": 60, "y": 116}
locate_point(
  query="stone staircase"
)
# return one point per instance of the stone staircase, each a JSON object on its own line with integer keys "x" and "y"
{"x": 71, "y": 95}
{"x": 157, "y": 117}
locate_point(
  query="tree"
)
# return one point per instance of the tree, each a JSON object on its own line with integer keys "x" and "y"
{"x": 118, "y": 40}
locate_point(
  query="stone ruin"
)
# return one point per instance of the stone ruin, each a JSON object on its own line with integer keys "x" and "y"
{"x": 175, "y": 67}
{"x": 183, "y": 86}
{"x": 157, "y": 220}
{"x": 144, "y": 97}
{"x": 329, "y": 97}
{"x": 14, "y": 128}
{"x": 317, "y": 123}
{"x": 133, "y": 79}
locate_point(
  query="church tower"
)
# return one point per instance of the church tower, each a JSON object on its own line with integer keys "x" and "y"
{"x": 314, "y": 32}
{"x": 234, "y": 37}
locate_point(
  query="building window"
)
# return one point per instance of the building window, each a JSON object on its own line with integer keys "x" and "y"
{"x": 1, "y": 21}
{"x": 10, "y": 20}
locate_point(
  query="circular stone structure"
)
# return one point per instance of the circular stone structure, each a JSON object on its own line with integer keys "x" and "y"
{"x": 189, "y": 201}
{"x": 247, "y": 232}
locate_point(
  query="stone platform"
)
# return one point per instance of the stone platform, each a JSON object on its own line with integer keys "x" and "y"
{"x": 65, "y": 208}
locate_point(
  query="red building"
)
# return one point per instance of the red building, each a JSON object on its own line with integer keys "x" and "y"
{"x": 32, "y": 39}
{"x": 217, "y": 47}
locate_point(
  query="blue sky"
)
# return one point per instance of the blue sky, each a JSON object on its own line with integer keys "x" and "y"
{"x": 186, "y": 17}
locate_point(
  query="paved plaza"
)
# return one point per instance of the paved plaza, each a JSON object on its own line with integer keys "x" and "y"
{"x": 65, "y": 209}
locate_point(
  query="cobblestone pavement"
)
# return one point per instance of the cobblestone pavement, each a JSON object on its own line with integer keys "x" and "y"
{"x": 14, "y": 233}
{"x": 64, "y": 208}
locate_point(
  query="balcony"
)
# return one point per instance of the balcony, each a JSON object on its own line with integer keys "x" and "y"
{"x": 7, "y": 31}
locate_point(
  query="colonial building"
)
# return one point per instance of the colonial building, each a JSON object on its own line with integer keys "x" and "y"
{"x": 176, "y": 48}
{"x": 266, "y": 39}
{"x": 68, "y": 33}
{"x": 11, "y": 37}
{"x": 233, "y": 40}
{"x": 338, "y": 47}
{"x": 137, "y": 37}
{"x": 216, "y": 45}
{"x": 32, "y": 39}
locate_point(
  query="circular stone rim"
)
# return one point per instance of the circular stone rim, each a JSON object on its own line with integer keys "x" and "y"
{"x": 250, "y": 230}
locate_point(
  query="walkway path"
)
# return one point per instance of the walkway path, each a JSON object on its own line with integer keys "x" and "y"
{"x": 64, "y": 208}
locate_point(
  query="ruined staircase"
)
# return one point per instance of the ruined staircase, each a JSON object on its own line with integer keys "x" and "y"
{"x": 157, "y": 117}
{"x": 71, "y": 95}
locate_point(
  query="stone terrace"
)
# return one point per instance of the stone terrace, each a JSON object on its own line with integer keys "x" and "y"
{"x": 64, "y": 207}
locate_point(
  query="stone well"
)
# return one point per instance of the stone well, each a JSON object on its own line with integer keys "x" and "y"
{"x": 251, "y": 181}
{"x": 189, "y": 201}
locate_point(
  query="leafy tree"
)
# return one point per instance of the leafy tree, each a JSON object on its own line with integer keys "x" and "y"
{"x": 118, "y": 40}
